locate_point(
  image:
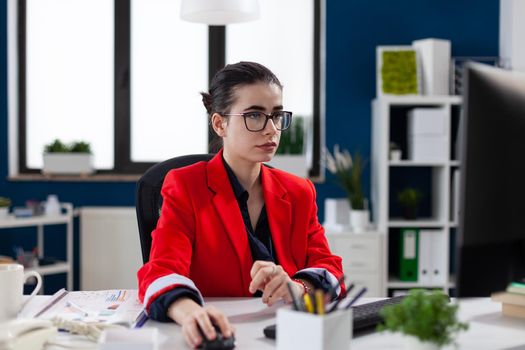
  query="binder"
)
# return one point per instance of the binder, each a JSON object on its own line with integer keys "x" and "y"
{"x": 425, "y": 257}
{"x": 432, "y": 257}
{"x": 408, "y": 257}
{"x": 438, "y": 262}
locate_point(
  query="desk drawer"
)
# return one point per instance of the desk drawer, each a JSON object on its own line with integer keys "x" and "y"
{"x": 372, "y": 281}
{"x": 357, "y": 253}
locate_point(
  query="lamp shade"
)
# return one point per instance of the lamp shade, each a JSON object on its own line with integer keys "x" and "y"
{"x": 219, "y": 12}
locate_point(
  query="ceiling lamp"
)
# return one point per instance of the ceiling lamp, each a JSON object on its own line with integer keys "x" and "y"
{"x": 219, "y": 12}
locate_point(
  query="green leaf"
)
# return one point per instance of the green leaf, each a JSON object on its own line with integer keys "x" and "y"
{"x": 426, "y": 315}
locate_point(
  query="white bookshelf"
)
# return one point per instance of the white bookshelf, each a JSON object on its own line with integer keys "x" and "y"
{"x": 39, "y": 222}
{"x": 385, "y": 110}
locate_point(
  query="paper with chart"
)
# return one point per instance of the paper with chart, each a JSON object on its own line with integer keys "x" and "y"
{"x": 118, "y": 306}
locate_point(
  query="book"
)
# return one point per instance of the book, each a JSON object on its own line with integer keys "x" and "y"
{"x": 509, "y": 298}
{"x": 516, "y": 288}
{"x": 513, "y": 310}
{"x": 103, "y": 306}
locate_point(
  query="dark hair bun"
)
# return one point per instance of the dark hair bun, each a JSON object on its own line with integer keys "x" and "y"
{"x": 207, "y": 101}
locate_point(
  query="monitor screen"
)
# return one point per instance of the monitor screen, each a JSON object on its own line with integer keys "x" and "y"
{"x": 491, "y": 234}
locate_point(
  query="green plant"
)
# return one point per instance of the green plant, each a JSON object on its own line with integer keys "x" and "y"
{"x": 296, "y": 144}
{"x": 426, "y": 315}
{"x": 409, "y": 197}
{"x": 58, "y": 146}
{"x": 80, "y": 147}
{"x": 348, "y": 172}
{"x": 394, "y": 146}
{"x": 399, "y": 72}
{"x": 5, "y": 202}
{"x": 292, "y": 140}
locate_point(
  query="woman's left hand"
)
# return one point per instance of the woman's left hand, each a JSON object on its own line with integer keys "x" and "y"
{"x": 272, "y": 280}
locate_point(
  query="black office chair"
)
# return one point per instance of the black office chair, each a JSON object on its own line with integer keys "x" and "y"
{"x": 148, "y": 200}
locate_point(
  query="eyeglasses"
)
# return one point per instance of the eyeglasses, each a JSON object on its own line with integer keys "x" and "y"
{"x": 256, "y": 121}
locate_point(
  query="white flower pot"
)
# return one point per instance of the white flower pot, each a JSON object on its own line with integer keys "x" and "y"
{"x": 68, "y": 163}
{"x": 359, "y": 220}
{"x": 413, "y": 343}
{"x": 4, "y": 212}
{"x": 395, "y": 155}
{"x": 336, "y": 214}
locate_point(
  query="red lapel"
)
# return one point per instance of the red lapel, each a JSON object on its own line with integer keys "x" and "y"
{"x": 279, "y": 211}
{"x": 230, "y": 215}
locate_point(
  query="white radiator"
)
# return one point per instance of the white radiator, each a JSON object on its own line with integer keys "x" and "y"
{"x": 110, "y": 252}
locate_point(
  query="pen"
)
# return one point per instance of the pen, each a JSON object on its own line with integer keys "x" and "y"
{"x": 296, "y": 303}
{"x": 352, "y": 302}
{"x": 143, "y": 317}
{"x": 319, "y": 302}
{"x": 78, "y": 308}
{"x": 334, "y": 306}
{"x": 308, "y": 303}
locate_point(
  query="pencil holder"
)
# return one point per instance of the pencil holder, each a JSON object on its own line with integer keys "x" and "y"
{"x": 302, "y": 330}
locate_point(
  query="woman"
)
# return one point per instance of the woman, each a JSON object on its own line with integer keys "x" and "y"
{"x": 232, "y": 227}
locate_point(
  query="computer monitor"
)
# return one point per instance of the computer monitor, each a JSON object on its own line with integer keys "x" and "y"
{"x": 491, "y": 232}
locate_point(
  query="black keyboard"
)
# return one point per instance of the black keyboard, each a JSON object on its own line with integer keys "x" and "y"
{"x": 365, "y": 316}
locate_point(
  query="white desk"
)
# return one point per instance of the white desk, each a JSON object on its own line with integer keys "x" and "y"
{"x": 488, "y": 328}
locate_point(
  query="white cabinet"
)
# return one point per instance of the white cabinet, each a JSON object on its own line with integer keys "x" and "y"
{"x": 363, "y": 259}
{"x": 39, "y": 222}
{"x": 435, "y": 178}
{"x": 110, "y": 253}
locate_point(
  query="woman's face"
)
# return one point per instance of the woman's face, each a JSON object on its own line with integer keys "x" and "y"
{"x": 239, "y": 142}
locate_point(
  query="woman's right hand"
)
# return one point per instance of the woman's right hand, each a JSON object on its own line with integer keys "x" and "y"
{"x": 191, "y": 315}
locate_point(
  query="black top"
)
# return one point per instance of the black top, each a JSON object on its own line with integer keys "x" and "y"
{"x": 261, "y": 246}
{"x": 260, "y": 239}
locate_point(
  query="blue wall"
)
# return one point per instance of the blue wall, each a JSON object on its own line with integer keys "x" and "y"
{"x": 354, "y": 29}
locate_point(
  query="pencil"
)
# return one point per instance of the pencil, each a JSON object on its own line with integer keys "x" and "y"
{"x": 319, "y": 302}
{"x": 308, "y": 303}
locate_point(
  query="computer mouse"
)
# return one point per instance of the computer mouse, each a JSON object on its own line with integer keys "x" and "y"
{"x": 220, "y": 342}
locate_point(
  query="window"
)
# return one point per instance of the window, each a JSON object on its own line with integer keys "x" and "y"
{"x": 69, "y": 77}
{"x": 126, "y": 75}
{"x": 169, "y": 67}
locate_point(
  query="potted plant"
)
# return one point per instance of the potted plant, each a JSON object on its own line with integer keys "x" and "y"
{"x": 427, "y": 319}
{"x": 73, "y": 159}
{"x": 409, "y": 199}
{"x": 5, "y": 203}
{"x": 291, "y": 155}
{"x": 348, "y": 171}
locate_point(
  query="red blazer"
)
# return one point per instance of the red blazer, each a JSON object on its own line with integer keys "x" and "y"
{"x": 201, "y": 241}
